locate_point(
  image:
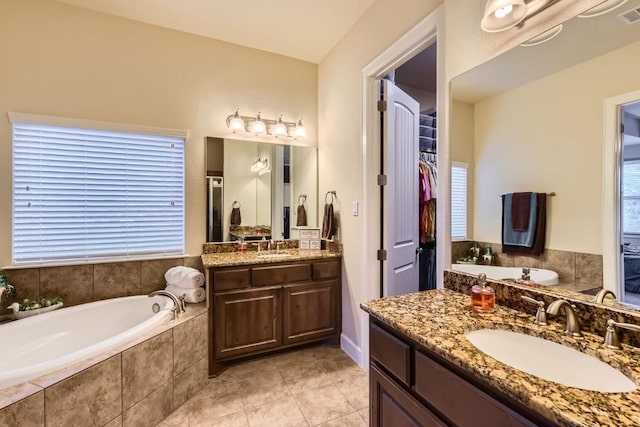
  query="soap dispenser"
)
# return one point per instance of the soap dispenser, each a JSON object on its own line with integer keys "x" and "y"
{"x": 483, "y": 297}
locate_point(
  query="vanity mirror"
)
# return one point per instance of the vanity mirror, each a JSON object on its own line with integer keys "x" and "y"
{"x": 254, "y": 189}
{"x": 533, "y": 119}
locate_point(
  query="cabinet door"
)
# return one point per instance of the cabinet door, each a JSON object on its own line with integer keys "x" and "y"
{"x": 247, "y": 321}
{"x": 391, "y": 406}
{"x": 311, "y": 311}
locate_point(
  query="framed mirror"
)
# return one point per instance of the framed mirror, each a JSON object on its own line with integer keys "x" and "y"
{"x": 533, "y": 119}
{"x": 259, "y": 190}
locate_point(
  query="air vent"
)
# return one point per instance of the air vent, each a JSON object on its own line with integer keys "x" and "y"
{"x": 630, "y": 16}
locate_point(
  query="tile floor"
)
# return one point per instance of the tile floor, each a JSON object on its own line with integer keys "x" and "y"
{"x": 315, "y": 386}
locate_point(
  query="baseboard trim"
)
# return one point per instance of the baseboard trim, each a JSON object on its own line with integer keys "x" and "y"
{"x": 351, "y": 349}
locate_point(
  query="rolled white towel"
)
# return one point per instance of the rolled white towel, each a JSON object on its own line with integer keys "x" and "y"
{"x": 184, "y": 277}
{"x": 193, "y": 295}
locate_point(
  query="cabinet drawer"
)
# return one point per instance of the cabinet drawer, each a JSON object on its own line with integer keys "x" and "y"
{"x": 275, "y": 275}
{"x": 231, "y": 279}
{"x": 391, "y": 353}
{"x": 463, "y": 403}
{"x": 326, "y": 270}
{"x": 309, "y": 233}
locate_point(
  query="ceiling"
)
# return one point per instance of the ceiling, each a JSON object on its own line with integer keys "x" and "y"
{"x": 302, "y": 29}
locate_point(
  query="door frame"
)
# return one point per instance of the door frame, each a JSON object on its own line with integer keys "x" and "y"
{"x": 426, "y": 32}
{"x": 611, "y": 230}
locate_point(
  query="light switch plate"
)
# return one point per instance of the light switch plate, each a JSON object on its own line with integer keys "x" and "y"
{"x": 354, "y": 208}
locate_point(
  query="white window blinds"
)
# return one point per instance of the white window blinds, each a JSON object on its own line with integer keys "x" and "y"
{"x": 83, "y": 194}
{"x": 459, "y": 201}
{"x": 631, "y": 196}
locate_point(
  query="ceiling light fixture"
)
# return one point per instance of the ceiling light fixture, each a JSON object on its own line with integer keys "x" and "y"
{"x": 543, "y": 37}
{"x": 602, "y": 8}
{"x": 500, "y": 15}
{"x": 259, "y": 126}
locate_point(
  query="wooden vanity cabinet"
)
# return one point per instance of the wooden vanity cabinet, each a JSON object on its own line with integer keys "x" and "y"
{"x": 261, "y": 308}
{"x": 412, "y": 386}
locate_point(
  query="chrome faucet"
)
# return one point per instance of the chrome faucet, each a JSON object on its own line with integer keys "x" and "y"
{"x": 601, "y": 295}
{"x": 611, "y": 336}
{"x": 541, "y": 315}
{"x": 269, "y": 244}
{"x": 178, "y": 304}
{"x": 573, "y": 324}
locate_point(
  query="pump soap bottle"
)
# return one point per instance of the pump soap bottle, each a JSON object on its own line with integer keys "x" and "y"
{"x": 483, "y": 297}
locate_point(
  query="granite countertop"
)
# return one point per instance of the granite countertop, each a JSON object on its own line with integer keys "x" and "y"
{"x": 227, "y": 259}
{"x": 439, "y": 320}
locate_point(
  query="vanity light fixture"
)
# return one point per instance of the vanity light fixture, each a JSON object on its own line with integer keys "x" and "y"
{"x": 543, "y": 37}
{"x": 500, "y": 15}
{"x": 259, "y": 126}
{"x": 602, "y": 8}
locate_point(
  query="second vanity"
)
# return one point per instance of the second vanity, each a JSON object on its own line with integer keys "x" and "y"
{"x": 424, "y": 371}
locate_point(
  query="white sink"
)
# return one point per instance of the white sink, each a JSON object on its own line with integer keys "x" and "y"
{"x": 550, "y": 361}
{"x": 274, "y": 255}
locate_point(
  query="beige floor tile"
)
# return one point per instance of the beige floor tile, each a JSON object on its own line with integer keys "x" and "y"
{"x": 364, "y": 413}
{"x": 221, "y": 385}
{"x": 356, "y": 390}
{"x": 351, "y": 420}
{"x": 252, "y": 368}
{"x": 305, "y": 378}
{"x": 262, "y": 388}
{"x": 283, "y": 413}
{"x": 204, "y": 407}
{"x": 323, "y": 404}
{"x": 340, "y": 368}
{"x": 237, "y": 419}
{"x": 179, "y": 417}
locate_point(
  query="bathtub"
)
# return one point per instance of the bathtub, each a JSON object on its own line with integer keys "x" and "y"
{"x": 538, "y": 275}
{"x": 47, "y": 342}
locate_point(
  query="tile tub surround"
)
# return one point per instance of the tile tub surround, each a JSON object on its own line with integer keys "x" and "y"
{"x": 575, "y": 269}
{"x": 438, "y": 321}
{"x": 136, "y": 383}
{"x": 226, "y": 259}
{"x": 78, "y": 284}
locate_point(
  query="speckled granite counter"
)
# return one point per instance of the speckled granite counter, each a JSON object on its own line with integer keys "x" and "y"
{"x": 439, "y": 320}
{"x": 226, "y": 259}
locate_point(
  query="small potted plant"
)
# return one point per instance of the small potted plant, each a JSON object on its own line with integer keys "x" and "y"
{"x": 6, "y": 288}
{"x": 30, "y": 308}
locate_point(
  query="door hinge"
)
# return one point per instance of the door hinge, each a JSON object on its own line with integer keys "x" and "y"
{"x": 381, "y": 255}
{"x": 382, "y": 105}
{"x": 382, "y": 179}
{"x": 621, "y": 127}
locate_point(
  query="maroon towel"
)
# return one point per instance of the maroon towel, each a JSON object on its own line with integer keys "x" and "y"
{"x": 541, "y": 230}
{"x": 520, "y": 209}
{"x": 328, "y": 226}
{"x": 236, "y": 217}
{"x": 301, "y": 221}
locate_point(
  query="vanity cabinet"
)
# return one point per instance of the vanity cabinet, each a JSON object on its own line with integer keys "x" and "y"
{"x": 412, "y": 386}
{"x": 260, "y": 308}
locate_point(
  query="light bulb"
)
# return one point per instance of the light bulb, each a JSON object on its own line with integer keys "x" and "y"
{"x": 300, "y": 131}
{"x": 259, "y": 126}
{"x": 280, "y": 129}
{"x": 236, "y": 123}
{"x": 501, "y": 12}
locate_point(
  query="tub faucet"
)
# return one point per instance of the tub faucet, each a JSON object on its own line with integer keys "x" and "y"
{"x": 177, "y": 304}
{"x": 573, "y": 324}
{"x": 601, "y": 295}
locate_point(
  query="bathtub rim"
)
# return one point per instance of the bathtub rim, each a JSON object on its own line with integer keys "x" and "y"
{"x": 555, "y": 281}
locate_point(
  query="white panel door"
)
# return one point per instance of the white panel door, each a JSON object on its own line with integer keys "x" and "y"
{"x": 401, "y": 206}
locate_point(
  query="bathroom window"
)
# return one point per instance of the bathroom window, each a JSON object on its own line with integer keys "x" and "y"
{"x": 95, "y": 191}
{"x": 631, "y": 196}
{"x": 459, "y": 201}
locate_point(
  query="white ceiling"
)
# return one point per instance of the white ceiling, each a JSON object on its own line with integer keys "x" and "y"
{"x": 302, "y": 29}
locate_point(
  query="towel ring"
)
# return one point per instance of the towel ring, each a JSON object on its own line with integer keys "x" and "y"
{"x": 236, "y": 204}
{"x": 333, "y": 195}
{"x": 303, "y": 197}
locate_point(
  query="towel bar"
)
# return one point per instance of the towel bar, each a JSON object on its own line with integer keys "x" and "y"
{"x": 553, "y": 193}
{"x": 333, "y": 196}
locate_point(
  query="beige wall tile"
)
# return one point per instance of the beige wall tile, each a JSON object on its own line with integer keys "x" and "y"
{"x": 27, "y": 412}
{"x": 562, "y": 262}
{"x": 145, "y": 368}
{"x": 74, "y": 284}
{"x": 151, "y": 410}
{"x": 194, "y": 262}
{"x": 118, "y": 279}
{"x": 526, "y": 261}
{"x": 27, "y": 283}
{"x": 189, "y": 343}
{"x": 189, "y": 382}
{"x": 589, "y": 268}
{"x": 152, "y": 273}
{"x": 92, "y": 397}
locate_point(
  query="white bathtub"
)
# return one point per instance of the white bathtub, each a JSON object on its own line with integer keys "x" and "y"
{"x": 44, "y": 343}
{"x": 538, "y": 275}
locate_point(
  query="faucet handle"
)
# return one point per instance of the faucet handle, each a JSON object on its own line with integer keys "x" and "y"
{"x": 611, "y": 336}
{"x": 541, "y": 314}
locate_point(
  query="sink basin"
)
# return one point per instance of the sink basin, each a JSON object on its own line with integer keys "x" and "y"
{"x": 550, "y": 361}
{"x": 274, "y": 255}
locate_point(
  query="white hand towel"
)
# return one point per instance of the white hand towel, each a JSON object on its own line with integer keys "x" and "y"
{"x": 193, "y": 296}
{"x": 184, "y": 277}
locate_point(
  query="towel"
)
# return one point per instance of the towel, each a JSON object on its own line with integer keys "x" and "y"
{"x": 301, "y": 221}
{"x": 328, "y": 225}
{"x": 236, "y": 218}
{"x": 520, "y": 210}
{"x": 184, "y": 277}
{"x": 192, "y": 296}
{"x": 540, "y": 232}
{"x": 511, "y": 236}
